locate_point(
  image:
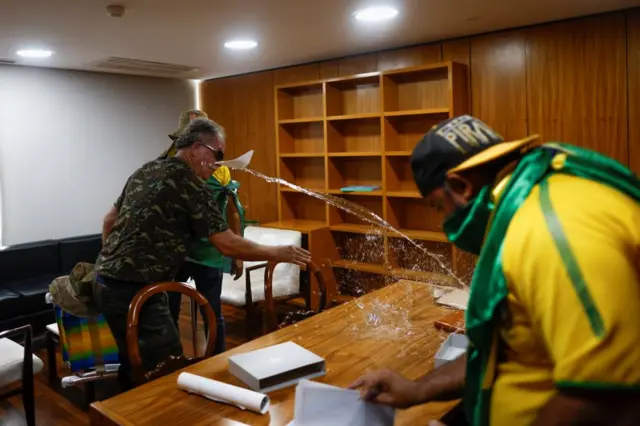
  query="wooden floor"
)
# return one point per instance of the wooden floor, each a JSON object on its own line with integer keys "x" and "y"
{"x": 65, "y": 406}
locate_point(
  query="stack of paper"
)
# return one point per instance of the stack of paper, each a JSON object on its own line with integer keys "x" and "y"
{"x": 320, "y": 404}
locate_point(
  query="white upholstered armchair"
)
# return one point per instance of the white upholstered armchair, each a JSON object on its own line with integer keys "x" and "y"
{"x": 250, "y": 289}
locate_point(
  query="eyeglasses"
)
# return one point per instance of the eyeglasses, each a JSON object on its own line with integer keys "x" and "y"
{"x": 217, "y": 153}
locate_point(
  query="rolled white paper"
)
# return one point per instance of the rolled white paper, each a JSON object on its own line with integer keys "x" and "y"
{"x": 244, "y": 399}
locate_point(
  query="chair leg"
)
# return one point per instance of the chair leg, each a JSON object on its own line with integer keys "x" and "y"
{"x": 52, "y": 366}
{"x": 28, "y": 397}
{"x": 194, "y": 326}
{"x": 250, "y": 320}
{"x": 28, "y": 400}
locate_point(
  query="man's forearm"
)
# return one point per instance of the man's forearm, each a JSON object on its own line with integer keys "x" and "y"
{"x": 600, "y": 408}
{"x": 234, "y": 246}
{"x": 444, "y": 383}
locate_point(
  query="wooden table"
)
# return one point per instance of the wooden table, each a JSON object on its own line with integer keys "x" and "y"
{"x": 392, "y": 327}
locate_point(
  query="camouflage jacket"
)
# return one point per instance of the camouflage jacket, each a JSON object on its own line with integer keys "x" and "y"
{"x": 162, "y": 210}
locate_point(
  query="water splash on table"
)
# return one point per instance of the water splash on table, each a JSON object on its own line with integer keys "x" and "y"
{"x": 383, "y": 320}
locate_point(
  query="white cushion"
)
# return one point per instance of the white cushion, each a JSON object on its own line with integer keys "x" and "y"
{"x": 53, "y": 328}
{"x": 233, "y": 291}
{"x": 11, "y": 357}
{"x": 286, "y": 276}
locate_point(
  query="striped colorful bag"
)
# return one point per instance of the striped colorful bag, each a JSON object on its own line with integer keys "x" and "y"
{"x": 86, "y": 343}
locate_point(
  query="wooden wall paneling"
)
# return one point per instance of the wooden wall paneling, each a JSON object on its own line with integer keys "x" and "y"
{"x": 237, "y": 136}
{"x": 498, "y": 76}
{"x": 457, "y": 50}
{"x": 633, "y": 67}
{"x": 260, "y": 136}
{"x": 329, "y": 69}
{"x": 576, "y": 72}
{"x": 296, "y": 74}
{"x": 358, "y": 64}
{"x": 220, "y": 101}
{"x": 351, "y": 65}
{"x": 409, "y": 57}
{"x": 224, "y": 101}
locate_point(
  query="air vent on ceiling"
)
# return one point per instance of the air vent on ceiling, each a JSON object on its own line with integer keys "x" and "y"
{"x": 124, "y": 64}
{"x": 7, "y": 61}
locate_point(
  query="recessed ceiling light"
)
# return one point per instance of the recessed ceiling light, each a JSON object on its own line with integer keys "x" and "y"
{"x": 34, "y": 53}
{"x": 374, "y": 14}
{"x": 240, "y": 44}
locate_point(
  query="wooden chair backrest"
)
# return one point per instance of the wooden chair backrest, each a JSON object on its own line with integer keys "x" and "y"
{"x": 173, "y": 363}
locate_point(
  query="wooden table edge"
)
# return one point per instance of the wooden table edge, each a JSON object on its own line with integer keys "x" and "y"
{"x": 99, "y": 415}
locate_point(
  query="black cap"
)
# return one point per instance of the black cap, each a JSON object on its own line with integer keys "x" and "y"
{"x": 446, "y": 146}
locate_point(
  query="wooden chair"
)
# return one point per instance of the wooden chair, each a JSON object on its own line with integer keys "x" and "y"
{"x": 271, "y": 310}
{"x": 18, "y": 364}
{"x": 173, "y": 363}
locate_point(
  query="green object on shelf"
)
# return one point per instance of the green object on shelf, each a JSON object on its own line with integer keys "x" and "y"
{"x": 251, "y": 222}
{"x": 361, "y": 188}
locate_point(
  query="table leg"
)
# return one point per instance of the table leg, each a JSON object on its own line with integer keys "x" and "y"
{"x": 89, "y": 392}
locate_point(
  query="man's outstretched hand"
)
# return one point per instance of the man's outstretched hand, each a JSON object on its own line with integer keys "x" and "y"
{"x": 388, "y": 388}
{"x": 294, "y": 254}
{"x": 237, "y": 266}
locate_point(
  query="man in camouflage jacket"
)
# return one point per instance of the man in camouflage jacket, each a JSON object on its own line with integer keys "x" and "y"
{"x": 164, "y": 207}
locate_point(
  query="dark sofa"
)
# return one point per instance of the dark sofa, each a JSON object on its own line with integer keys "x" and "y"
{"x": 26, "y": 270}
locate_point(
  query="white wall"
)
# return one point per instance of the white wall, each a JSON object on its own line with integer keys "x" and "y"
{"x": 70, "y": 139}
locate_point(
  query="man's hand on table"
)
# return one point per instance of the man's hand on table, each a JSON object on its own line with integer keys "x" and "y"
{"x": 389, "y": 388}
{"x": 386, "y": 387}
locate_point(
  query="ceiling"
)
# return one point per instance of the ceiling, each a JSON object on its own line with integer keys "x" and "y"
{"x": 192, "y": 32}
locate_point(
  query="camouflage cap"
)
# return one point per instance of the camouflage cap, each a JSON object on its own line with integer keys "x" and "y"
{"x": 185, "y": 119}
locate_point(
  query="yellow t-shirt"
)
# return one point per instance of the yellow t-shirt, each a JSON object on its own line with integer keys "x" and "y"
{"x": 562, "y": 332}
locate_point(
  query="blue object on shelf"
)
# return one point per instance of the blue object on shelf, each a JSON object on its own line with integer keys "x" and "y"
{"x": 361, "y": 188}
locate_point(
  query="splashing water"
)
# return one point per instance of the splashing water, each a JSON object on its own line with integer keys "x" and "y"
{"x": 364, "y": 214}
{"x": 381, "y": 320}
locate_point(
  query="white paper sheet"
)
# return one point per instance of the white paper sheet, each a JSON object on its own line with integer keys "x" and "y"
{"x": 244, "y": 399}
{"x": 238, "y": 163}
{"x": 320, "y": 404}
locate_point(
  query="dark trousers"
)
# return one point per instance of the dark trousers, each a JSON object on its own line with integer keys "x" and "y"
{"x": 209, "y": 283}
{"x": 157, "y": 334}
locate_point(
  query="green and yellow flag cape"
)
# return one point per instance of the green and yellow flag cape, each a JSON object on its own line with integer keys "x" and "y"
{"x": 488, "y": 286}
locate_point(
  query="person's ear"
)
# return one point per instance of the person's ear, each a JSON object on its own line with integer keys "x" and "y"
{"x": 460, "y": 185}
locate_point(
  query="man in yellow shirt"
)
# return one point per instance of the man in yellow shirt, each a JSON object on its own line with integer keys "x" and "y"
{"x": 554, "y": 308}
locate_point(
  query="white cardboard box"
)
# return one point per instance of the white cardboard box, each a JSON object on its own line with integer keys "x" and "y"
{"x": 275, "y": 367}
{"x": 452, "y": 348}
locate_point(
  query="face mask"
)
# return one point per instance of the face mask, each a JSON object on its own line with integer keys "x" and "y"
{"x": 466, "y": 226}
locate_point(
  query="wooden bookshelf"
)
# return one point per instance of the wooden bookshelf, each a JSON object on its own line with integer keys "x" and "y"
{"x": 356, "y": 131}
